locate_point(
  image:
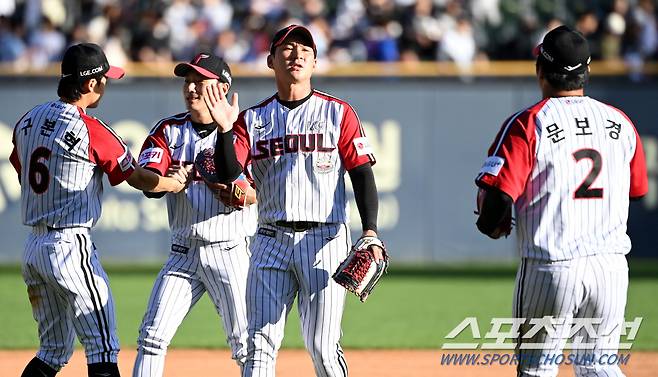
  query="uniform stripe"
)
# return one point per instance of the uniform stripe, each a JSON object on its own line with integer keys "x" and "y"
{"x": 101, "y": 320}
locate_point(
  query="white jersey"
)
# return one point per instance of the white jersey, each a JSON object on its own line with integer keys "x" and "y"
{"x": 298, "y": 157}
{"x": 60, "y": 154}
{"x": 570, "y": 164}
{"x": 193, "y": 213}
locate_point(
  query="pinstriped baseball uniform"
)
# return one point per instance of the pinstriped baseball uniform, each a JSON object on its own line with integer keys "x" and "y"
{"x": 209, "y": 250}
{"x": 570, "y": 164}
{"x": 61, "y": 154}
{"x": 298, "y": 158}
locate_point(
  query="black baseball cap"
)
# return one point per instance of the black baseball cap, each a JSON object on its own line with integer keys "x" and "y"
{"x": 86, "y": 60}
{"x": 564, "y": 50}
{"x": 287, "y": 31}
{"x": 207, "y": 65}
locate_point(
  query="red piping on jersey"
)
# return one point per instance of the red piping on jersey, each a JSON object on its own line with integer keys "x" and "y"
{"x": 530, "y": 112}
{"x": 526, "y": 122}
{"x": 89, "y": 120}
{"x": 329, "y": 97}
{"x": 13, "y": 157}
{"x": 263, "y": 103}
{"x": 174, "y": 120}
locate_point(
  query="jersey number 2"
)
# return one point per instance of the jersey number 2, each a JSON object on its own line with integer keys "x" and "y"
{"x": 39, "y": 176}
{"x": 584, "y": 191}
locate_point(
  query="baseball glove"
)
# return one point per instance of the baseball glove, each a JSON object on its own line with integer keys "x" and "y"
{"x": 505, "y": 224}
{"x": 232, "y": 194}
{"x": 360, "y": 271}
{"x": 204, "y": 163}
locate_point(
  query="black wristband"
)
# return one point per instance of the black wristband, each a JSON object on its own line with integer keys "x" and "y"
{"x": 365, "y": 194}
{"x": 226, "y": 162}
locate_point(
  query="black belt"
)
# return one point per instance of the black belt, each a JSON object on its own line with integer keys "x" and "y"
{"x": 298, "y": 226}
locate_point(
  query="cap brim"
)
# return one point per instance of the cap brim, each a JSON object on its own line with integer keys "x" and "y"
{"x": 182, "y": 69}
{"x": 115, "y": 72}
{"x": 294, "y": 30}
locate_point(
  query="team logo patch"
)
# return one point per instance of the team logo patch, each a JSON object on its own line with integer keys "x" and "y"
{"x": 179, "y": 249}
{"x": 362, "y": 146}
{"x": 492, "y": 165}
{"x": 151, "y": 155}
{"x": 126, "y": 161}
{"x": 323, "y": 163}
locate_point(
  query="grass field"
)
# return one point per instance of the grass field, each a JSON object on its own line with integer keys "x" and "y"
{"x": 413, "y": 308}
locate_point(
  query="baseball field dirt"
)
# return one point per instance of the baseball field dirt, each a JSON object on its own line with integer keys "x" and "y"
{"x": 296, "y": 363}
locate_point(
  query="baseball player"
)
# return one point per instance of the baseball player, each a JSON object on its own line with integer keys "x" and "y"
{"x": 60, "y": 154}
{"x": 209, "y": 239}
{"x": 569, "y": 165}
{"x": 297, "y": 146}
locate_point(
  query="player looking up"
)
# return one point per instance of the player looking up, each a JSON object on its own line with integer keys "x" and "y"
{"x": 297, "y": 146}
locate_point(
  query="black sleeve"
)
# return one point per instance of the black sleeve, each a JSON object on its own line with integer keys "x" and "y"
{"x": 365, "y": 194}
{"x": 496, "y": 209}
{"x": 226, "y": 159}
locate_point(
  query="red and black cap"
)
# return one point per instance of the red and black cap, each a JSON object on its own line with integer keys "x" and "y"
{"x": 298, "y": 30}
{"x": 86, "y": 60}
{"x": 207, "y": 65}
{"x": 564, "y": 50}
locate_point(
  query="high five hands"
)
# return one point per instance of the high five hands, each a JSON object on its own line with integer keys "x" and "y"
{"x": 223, "y": 113}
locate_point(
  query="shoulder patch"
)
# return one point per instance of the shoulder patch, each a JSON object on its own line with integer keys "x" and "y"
{"x": 150, "y": 155}
{"x": 362, "y": 146}
{"x": 126, "y": 161}
{"x": 492, "y": 165}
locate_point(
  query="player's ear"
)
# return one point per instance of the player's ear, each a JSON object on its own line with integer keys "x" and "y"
{"x": 87, "y": 86}
{"x": 225, "y": 87}
{"x": 270, "y": 61}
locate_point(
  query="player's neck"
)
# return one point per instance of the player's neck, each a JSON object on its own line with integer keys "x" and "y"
{"x": 293, "y": 91}
{"x": 201, "y": 117}
{"x": 552, "y": 93}
{"x": 83, "y": 102}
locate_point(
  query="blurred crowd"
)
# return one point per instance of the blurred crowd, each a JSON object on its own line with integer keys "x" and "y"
{"x": 34, "y": 33}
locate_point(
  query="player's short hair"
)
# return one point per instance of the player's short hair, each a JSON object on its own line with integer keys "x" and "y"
{"x": 565, "y": 81}
{"x": 70, "y": 89}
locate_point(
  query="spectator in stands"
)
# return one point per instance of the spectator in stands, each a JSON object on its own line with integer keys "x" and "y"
{"x": 421, "y": 30}
{"x": 346, "y": 30}
{"x": 458, "y": 44}
{"x": 381, "y": 31}
{"x": 12, "y": 47}
{"x": 46, "y": 44}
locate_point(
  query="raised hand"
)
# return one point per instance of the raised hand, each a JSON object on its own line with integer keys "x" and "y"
{"x": 223, "y": 113}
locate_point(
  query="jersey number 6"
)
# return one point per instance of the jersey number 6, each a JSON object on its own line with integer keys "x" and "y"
{"x": 39, "y": 176}
{"x": 584, "y": 191}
